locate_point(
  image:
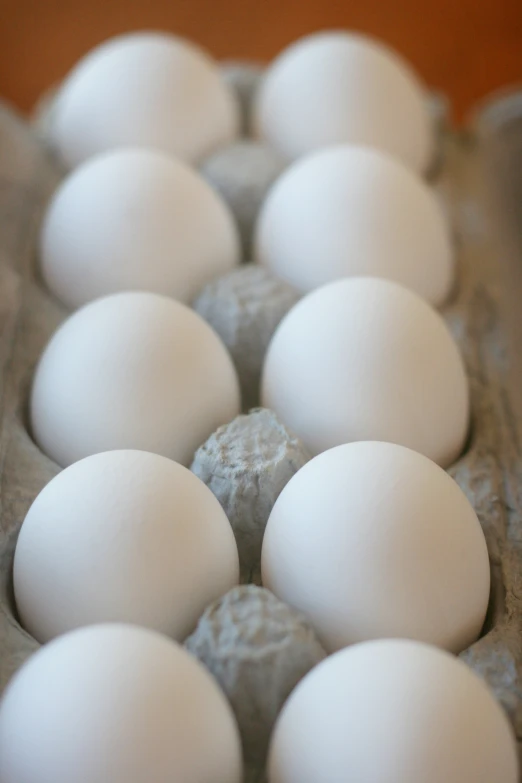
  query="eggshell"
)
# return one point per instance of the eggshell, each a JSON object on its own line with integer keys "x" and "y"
{"x": 148, "y": 89}
{"x": 392, "y": 711}
{"x": 135, "y": 219}
{"x": 366, "y": 359}
{"x": 371, "y": 540}
{"x": 116, "y": 704}
{"x": 339, "y": 87}
{"x": 132, "y": 371}
{"x": 349, "y": 211}
{"x": 154, "y": 535}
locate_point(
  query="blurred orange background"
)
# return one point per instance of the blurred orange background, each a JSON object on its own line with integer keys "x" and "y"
{"x": 466, "y": 48}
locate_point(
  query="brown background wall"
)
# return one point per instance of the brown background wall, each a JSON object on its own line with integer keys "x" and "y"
{"x": 465, "y": 47}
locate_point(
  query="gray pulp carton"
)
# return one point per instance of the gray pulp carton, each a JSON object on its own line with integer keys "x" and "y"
{"x": 490, "y": 470}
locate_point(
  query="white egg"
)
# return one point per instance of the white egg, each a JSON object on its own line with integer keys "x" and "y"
{"x": 339, "y": 87}
{"x": 366, "y": 359}
{"x": 116, "y": 704}
{"x": 135, "y": 219}
{"x": 148, "y": 89}
{"x": 132, "y": 371}
{"x": 349, "y": 211}
{"x": 154, "y": 535}
{"x": 372, "y": 540}
{"x": 392, "y": 711}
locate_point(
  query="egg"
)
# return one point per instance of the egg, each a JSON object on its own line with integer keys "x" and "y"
{"x": 149, "y": 89}
{"x": 340, "y": 87}
{"x": 132, "y": 370}
{"x": 372, "y": 540}
{"x": 348, "y": 211}
{"x": 366, "y": 359}
{"x": 392, "y": 711}
{"x": 154, "y": 535}
{"x": 135, "y": 219}
{"x": 116, "y": 704}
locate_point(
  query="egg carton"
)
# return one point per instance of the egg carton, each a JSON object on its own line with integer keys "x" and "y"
{"x": 489, "y": 472}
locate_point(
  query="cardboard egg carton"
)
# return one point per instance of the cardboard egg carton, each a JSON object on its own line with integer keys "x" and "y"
{"x": 490, "y": 470}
